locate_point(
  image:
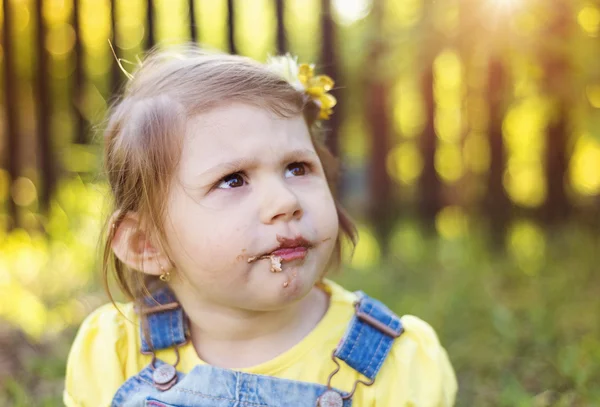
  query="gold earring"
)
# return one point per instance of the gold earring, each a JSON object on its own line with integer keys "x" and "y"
{"x": 165, "y": 276}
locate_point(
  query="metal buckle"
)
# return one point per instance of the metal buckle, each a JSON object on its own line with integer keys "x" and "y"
{"x": 158, "y": 308}
{"x": 330, "y": 398}
{"x": 368, "y": 319}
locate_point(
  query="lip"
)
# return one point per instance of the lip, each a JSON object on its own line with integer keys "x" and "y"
{"x": 291, "y": 253}
{"x": 291, "y": 243}
{"x": 288, "y": 249}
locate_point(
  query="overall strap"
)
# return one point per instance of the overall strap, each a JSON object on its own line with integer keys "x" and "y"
{"x": 164, "y": 324}
{"x": 369, "y": 336}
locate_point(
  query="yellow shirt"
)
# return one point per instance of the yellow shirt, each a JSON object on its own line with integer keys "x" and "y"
{"x": 416, "y": 373}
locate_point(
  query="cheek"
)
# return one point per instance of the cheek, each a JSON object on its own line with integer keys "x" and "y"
{"x": 333, "y": 223}
{"x": 203, "y": 238}
{"x": 326, "y": 218}
{"x": 208, "y": 242}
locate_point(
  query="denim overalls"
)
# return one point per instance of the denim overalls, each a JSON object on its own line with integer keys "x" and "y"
{"x": 364, "y": 347}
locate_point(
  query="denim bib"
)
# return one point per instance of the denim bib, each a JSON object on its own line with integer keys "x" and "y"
{"x": 364, "y": 347}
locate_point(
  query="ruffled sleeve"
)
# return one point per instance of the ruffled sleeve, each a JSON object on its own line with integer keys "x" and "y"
{"x": 417, "y": 371}
{"x": 96, "y": 362}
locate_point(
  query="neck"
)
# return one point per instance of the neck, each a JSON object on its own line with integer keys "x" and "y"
{"x": 235, "y": 338}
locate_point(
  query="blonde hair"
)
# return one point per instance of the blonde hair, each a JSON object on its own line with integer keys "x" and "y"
{"x": 144, "y": 132}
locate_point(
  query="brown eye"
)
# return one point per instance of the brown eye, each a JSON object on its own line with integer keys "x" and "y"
{"x": 231, "y": 181}
{"x": 296, "y": 169}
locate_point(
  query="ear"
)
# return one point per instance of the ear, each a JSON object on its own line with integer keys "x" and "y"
{"x": 135, "y": 247}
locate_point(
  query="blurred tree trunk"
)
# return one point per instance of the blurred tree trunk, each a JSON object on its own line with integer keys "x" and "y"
{"x": 497, "y": 204}
{"x": 377, "y": 87}
{"x": 493, "y": 87}
{"x": 47, "y": 163}
{"x": 556, "y": 69}
{"x": 150, "y": 40}
{"x": 281, "y": 39}
{"x": 231, "y": 26}
{"x": 10, "y": 105}
{"x": 193, "y": 24}
{"x": 329, "y": 67}
{"x": 329, "y": 62}
{"x": 115, "y": 72}
{"x": 430, "y": 186}
{"x": 81, "y": 136}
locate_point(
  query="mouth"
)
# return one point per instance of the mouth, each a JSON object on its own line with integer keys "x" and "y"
{"x": 289, "y": 249}
{"x": 291, "y": 253}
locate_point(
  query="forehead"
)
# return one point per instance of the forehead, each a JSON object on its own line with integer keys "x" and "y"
{"x": 241, "y": 131}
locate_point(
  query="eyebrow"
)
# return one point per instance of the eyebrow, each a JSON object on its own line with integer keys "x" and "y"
{"x": 223, "y": 169}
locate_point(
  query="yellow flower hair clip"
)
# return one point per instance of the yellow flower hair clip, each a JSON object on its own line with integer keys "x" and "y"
{"x": 302, "y": 77}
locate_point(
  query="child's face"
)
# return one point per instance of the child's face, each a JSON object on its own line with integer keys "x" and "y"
{"x": 247, "y": 176}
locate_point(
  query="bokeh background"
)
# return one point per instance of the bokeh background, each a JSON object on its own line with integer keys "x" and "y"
{"x": 470, "y": 134}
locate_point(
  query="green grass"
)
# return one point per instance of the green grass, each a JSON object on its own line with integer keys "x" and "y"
{"x": 521, "y": 327}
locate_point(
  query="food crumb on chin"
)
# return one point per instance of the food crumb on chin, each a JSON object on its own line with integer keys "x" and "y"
{"x": 275, "y": 264}
{"x": 275, "y": 261}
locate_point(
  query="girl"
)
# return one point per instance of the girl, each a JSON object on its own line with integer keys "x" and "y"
{"x": 223, "y": 230}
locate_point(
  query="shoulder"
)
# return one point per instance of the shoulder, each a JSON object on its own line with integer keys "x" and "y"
{"x": 96, "y": 366}
{"x": 108, "y": 327}
{"x": 418, "y": 333}
{"x": 418, "y": 366}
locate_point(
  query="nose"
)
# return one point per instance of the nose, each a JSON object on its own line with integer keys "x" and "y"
{"x": 279, "y": 203}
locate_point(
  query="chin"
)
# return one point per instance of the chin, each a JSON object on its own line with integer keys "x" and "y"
{"x": 297, "y": 288}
